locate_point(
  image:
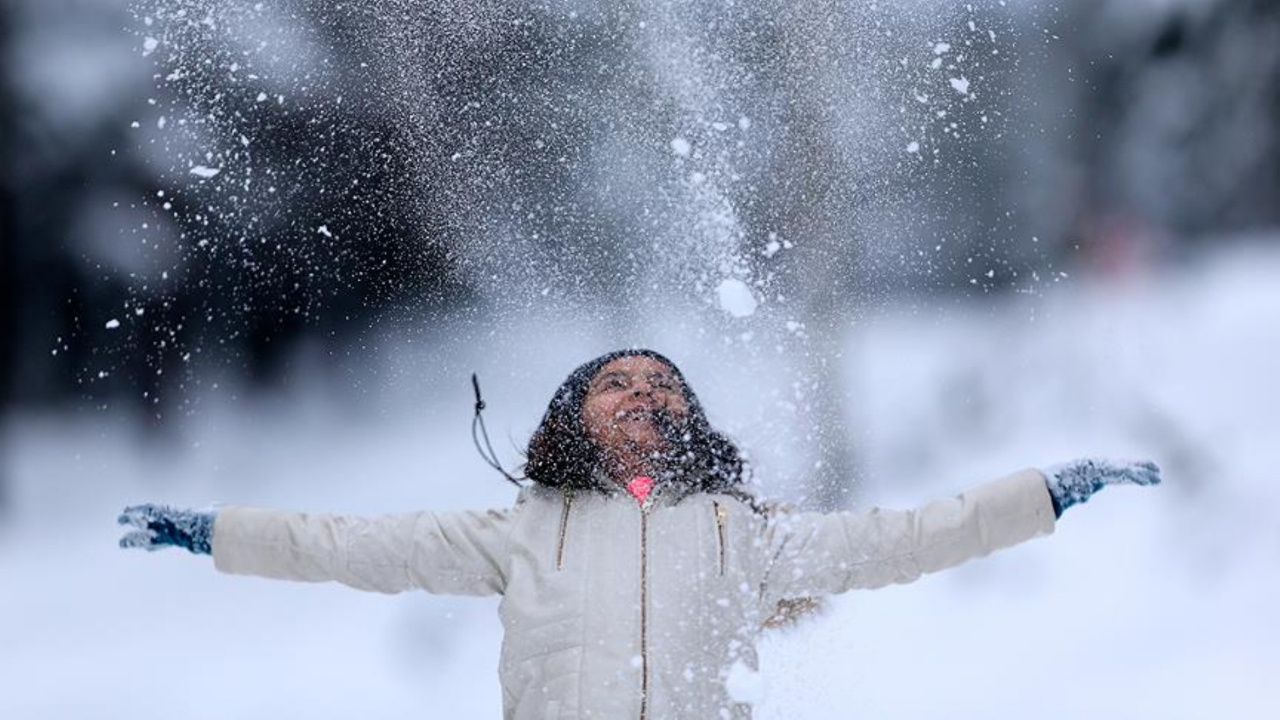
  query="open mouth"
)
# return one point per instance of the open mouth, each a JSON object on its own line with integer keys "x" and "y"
{"x": 635, "y": 414}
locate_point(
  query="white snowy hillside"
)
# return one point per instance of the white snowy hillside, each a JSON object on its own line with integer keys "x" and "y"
{"x": 1145, "y": 603}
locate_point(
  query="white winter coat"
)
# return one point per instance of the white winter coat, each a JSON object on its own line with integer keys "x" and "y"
{"x": 611, "y": 610}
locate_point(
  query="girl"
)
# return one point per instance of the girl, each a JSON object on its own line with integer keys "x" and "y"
{"x": 636, "y": 571}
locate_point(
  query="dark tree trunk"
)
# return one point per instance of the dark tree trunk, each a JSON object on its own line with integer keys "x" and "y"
{"x": 8, "y": 248}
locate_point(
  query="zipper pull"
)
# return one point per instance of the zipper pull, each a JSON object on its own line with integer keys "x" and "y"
{"x": 564, "y": 527}
{"x": 722, "y": 521}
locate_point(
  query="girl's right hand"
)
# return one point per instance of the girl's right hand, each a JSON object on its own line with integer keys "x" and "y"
{"x": 161, "y": 526}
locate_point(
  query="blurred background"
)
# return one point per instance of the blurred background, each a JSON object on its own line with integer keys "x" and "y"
{"x": 250, "y": 253}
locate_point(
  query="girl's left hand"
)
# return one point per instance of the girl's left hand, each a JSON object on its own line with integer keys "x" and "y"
{"x": 1073, "y": 482}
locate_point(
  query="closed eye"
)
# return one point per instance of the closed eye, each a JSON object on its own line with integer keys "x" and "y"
{"x": 612, "y": 381}
{"x": 662, "y": 381}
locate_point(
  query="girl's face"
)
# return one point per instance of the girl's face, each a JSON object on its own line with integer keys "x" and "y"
{"x": 623, "y": 401}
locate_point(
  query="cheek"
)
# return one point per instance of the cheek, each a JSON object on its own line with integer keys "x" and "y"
{"x": 596, "y": 418}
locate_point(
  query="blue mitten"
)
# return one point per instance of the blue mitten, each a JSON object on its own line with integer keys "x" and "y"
{"x": 1073, "y": 482}
{"x": 160, "y": 526}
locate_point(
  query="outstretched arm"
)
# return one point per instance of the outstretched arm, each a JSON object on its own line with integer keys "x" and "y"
{"x": 821, "y": 553}
{"x": 460, "y": 553}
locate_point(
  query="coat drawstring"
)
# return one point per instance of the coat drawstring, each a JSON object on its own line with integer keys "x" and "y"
{"x": 477, "y": 423}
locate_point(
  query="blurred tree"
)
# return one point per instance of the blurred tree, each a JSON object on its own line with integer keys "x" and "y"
{"x": 9, "y": 346}
{"x": 206, "y": 273}
{"x": 883, "y": 180}
{"x": 8, "y": 226}
{"x": 1179, "y": 122}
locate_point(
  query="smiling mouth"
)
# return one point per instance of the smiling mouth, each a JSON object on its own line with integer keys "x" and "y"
{"x": 635, "y": 414}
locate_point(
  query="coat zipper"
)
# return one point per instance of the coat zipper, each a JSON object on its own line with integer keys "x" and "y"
{"x": 564, "y": 527}
{"x": 644, "y": 610}
{"x": 722, "y": 520}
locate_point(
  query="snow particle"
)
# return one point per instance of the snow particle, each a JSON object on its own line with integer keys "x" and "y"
{"x": 913, "y": 147}
{"x": 205, "y": 172}
{"x": 112, "y": 324}
{"x": 149, "y": 45}
{"x": 735, "y": 298}
{"x": 681, "y": 147}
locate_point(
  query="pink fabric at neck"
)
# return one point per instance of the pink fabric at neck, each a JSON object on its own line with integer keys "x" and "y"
{"x": 640, "y": 487}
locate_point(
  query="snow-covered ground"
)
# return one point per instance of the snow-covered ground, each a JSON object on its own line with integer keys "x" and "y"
{"x": 1154, "y": 603}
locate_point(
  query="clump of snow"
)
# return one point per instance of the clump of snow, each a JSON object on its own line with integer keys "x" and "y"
{"x": 681, "y": 147}
{"x": 204, "y": 171}
{"x": 913, "y": 147}
{"x": 735, "y": 298}
{"x": 112, "y": 324}
{"x": 941, "y": 48}
{"x": 961, "y": 85}
{"x": 149, "y": 45}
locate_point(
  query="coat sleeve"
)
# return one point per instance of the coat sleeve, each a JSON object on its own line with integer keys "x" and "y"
{"x": 822, "y": 553}
{"x": 459, "y": 553}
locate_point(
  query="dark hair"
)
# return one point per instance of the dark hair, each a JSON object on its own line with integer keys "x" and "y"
{"x": 562, "y": 455}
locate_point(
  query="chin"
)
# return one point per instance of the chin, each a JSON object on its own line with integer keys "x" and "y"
{"x": 646, "y": 443}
